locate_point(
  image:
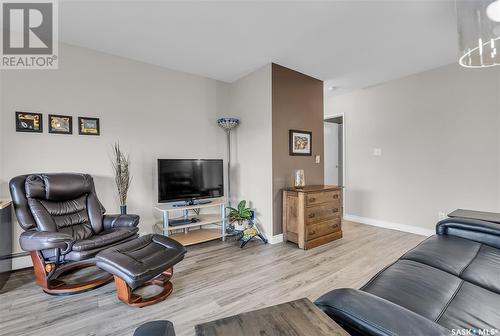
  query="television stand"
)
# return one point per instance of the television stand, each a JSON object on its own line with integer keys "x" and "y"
{"x": 190, "y": 229}
{"x": 191, "y": 202}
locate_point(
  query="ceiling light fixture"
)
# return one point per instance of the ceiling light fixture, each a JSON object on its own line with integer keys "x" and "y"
{"x": 478, "y": 32}
{"x": 493, "y": 11}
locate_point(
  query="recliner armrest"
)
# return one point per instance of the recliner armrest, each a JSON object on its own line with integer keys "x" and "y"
{"x": 43, "y": 240}
{"x": 362, "y": 313}
{"x": 113, "y": 221}
{"x": 473, "y": 229}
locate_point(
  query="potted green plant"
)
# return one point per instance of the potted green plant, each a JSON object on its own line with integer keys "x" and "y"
{"x": 123, "y": 179}
{"x": 239, "y": 214}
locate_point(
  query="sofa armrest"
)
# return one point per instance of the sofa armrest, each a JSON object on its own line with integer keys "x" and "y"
{"x": 43, "y": 240}
{"x": 113, "y": 221}
{"x": 473, "y": 229}
{"x": 362, "y": 313}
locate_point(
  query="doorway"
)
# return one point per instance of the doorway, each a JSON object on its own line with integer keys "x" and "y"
{"x": 334, "y": 151}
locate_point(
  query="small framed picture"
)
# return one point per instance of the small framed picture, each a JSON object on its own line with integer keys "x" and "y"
{"x": 300, "y": 142}
{"x": 88, "y": 126}
{"x": 60, "y": 124}
{"x": 29, "y": 122}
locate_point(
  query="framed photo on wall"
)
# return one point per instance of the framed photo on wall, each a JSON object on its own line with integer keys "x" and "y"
{"x": 300, "y": 143}
{"x": 60, "y": 124}
{"x": 88, "y": 126}
{"x": 29, "y": 122}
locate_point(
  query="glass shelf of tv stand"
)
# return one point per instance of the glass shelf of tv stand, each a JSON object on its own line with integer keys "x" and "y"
{"x": 203, "y": 219}
{"x": 176, "y": 207}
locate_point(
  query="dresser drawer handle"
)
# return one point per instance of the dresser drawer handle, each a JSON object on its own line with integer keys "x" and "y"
{"x": 312, "y": 199}
{"x": 335, "y": 196}
{"x": 312, "y": 215}
{"x": 335, "y": 210}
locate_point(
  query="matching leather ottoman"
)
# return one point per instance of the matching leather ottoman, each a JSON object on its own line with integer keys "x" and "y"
{"x": 147, "y": 260}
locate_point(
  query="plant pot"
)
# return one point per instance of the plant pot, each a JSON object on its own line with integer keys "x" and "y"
{"x": 240, "y": 225}
{"x": 123, "y": 209}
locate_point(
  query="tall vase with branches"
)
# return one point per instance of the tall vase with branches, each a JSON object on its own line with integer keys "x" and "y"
{"x": 123, "y": 179}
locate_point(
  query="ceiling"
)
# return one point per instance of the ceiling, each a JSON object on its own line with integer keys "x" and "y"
{"x": 351, "y": 44}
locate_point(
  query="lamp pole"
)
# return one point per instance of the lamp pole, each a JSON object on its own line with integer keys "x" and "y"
{"x": 228, "y": 124}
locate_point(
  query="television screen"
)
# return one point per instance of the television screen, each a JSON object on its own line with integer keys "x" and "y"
{"x": 189, "y": 179}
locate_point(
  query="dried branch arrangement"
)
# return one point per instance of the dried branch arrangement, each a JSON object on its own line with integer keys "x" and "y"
{"x": 123, "y": 179}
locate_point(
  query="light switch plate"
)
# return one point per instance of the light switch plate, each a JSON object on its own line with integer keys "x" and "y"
{"x": 377, "y": 152}
{"x": 318, "y": 159}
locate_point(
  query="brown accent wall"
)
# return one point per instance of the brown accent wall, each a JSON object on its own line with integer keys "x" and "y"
{"x": 297, "y": 104}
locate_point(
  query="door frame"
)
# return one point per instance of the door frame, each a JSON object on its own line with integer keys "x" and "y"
{"x": 344, "y": 162}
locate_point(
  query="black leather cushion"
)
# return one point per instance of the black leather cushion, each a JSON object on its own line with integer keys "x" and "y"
{"x": 141, "y": 259}
{"x": 472, "y": 307}
{"x": 58, "y": 187}
{"x": 484, "y": 270}
{"x": 450, "y": 254}
{"x": 88, "y": 254}
{"x": 20, "y": 202}
{"x": 351, "y": 308}
{"x": 418, "y": 287}
{"x": 472, "y": 229}
{"x": 64, "y": 202}
{"x": 105, "y": 238}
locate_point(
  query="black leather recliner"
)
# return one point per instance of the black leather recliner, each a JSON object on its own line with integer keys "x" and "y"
{"x": 448, "y": 284}
{"x": 65, "y": 227}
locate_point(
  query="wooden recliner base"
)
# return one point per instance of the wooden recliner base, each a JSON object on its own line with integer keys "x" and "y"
{"x": 52, "y": 285}
{"x": 125, "y": 293}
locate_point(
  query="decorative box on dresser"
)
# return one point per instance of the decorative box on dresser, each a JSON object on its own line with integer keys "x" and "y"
{"x": 312, "y": 215}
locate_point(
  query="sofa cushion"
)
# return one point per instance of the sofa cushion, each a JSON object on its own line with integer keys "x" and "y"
{"x": 472, "y": 307}
{"x": 484, "y": 270}
{"x": 105, "y": 238}
{"x": 420, "y": 288}
{"x": 450, "y": 254}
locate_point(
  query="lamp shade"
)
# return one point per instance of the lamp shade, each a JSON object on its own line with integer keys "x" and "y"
{"x": 478, "y": 32}
{"x": 228, "y": 123}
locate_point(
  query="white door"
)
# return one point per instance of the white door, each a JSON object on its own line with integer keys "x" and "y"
{"x": 331, "y": 153}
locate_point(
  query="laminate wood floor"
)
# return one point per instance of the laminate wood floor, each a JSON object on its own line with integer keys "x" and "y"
{"x": 215, "y": 280}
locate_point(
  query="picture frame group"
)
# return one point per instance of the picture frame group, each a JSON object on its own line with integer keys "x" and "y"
{"x": 31, "y": 122}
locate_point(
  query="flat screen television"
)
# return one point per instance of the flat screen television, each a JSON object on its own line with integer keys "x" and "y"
{"x": 189, "y": 179}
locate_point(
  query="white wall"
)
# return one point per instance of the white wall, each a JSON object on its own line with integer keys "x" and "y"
{"x": 331, "y": 155}
{"x": 153, "y": 112}
{"x": 439, "y": 132}
{"x": 251, "y": 101}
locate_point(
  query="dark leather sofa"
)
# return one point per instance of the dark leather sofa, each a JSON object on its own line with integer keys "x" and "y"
{"x": 447, "y": 285}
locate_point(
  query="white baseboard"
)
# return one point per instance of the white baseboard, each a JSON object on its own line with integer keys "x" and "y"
{"x": 390, "y": 225}
{"x": 21, "y": 262}
{"x": 276, "y": 239}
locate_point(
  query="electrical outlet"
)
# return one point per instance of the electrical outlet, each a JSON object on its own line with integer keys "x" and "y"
{"x": 318, "y": 159}
{"x": 377, "y": 152}
{"x": 441, "y": 215}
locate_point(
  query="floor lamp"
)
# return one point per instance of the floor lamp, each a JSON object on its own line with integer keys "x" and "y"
{"x": 228, "y": 124}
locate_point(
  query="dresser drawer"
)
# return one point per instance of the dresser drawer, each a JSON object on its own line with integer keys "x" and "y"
{"x": 322, "y": 212}
{"x": 322, "y": 228}
{"x": 322, "y": 197}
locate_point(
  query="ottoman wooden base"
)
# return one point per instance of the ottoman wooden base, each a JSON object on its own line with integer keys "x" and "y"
{"x": 126, "y": 294}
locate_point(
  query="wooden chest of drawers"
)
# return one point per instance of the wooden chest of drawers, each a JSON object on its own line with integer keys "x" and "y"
{"x": 312, "y": 215}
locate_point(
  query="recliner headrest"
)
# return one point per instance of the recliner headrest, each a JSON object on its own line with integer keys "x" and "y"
{"x": 58, "y": 187}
